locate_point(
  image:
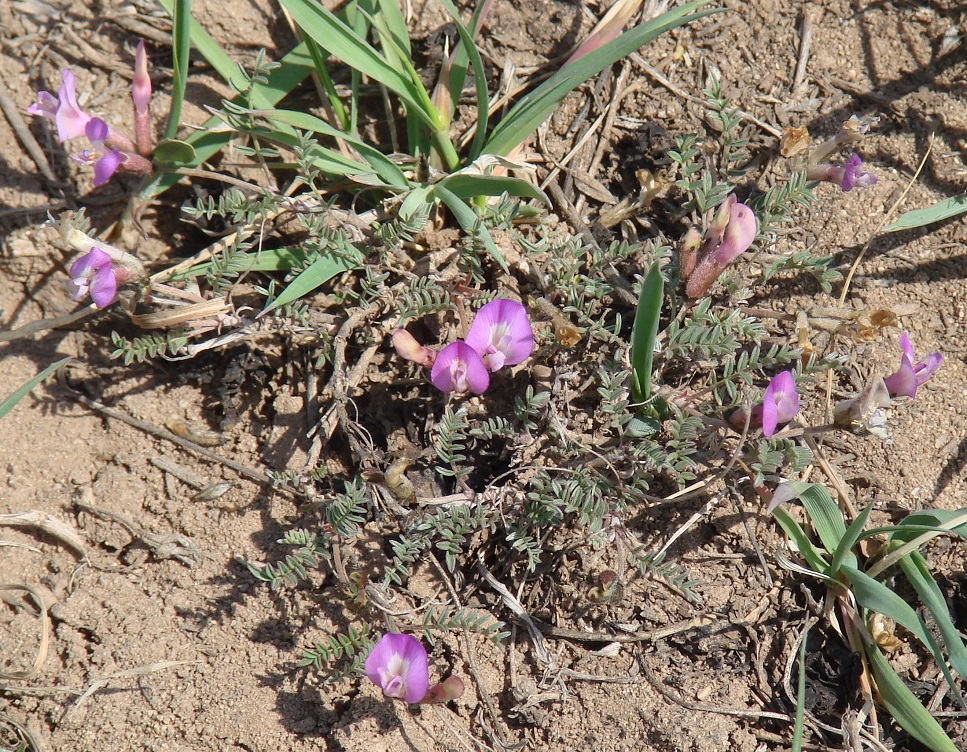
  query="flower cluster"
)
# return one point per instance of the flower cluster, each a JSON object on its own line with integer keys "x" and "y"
{"x": 110, "y": 150}
{"x": 499, "y": 336}
{"x": 730, "y": 234}
{"x": 398, "y": 665}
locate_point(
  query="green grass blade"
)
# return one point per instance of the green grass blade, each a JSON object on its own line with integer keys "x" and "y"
{"x": 468, "y": 50}
{"x": 8, "y": 404}
{"x": 468, "y": 186}
{"x": 294, "y": 69}
{"x": 644, "y": 331}
{"x": 339, "y": 38}
{"x": 904, "y": 706}
{"x": 319, "y": 57}
{"x": 181, "y": 44}
{"x": 874, "y": 595}
{"x": 316, "y": 274}
{"x": 843, "y": 554}
{"x": 380, "y": 163}
{"x": 917, "y": 571}
{"x": 270, "y": 260}
{"x": 812, "y": 555}
{"x": 467, "y": 218}
{"x": 940, "y": 211}
{"x": 826, "y": 517}
{"x": 534, "y": 108}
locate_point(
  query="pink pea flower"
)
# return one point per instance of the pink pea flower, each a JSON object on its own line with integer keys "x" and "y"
{"x": 911, "y": 375}
{"x": 105, "y": 160}
{"x": 63, "y": 109}
{"x": 94, "y": 273}
{"x": 459, "y": 368}
{"x": 731, "y": 233}
{"x": 852, "y": 174}
{"x": 780, "y": 404}
{"x": 501, "y": 334}
{"x": 397, "y": 664}
{"x": 141, "y": 97}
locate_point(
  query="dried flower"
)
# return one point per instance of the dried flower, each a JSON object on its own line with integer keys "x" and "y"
{"x": 397, "y": 664}
{"x": 94, "y": 273}
{"x": 866, "y": 412}
{"x": 731, "y": 233}
{"x": 409, "y": 348}
{"x": 911, "y": 375}
{"x": 105, "y": 160}
{"x": 63, "y": 109}
{"x": 501, "y": 334}
{"x": 449, "y": 689}
{"x": 459, "y": 368}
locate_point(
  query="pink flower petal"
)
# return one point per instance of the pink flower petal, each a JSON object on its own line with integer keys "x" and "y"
{"x": 459, "y": 368}
{"x": 397, "y": 664}
{"x": 780, "y": 403}
{"x": 106, "y": 166}
{"x": 501, "y": 333}
{"x": 104, "y": 287}
{"x": 70, "y": 119}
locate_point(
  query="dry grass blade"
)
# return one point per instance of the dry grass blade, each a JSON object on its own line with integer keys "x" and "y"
{"x": 48, "y": 524}
{"x": 149, "y": 668}
{"x": 41, "y": 654}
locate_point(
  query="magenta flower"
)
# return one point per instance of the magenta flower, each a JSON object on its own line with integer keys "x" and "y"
{"x": 501, "y": 334}
{"x": 852, "y": 174}
{"x": 397, "y": 664}
{"x": 94, "y": 273}
{"x": 731, "y": 233}
{"x": 459, "y": 368}
{"x": 106, "y": 160}
{"x": 911, "y": 375}
{"x": 780, "y": 404}
{"x": 63, "y": 109}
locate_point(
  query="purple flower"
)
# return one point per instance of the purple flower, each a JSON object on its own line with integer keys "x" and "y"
{"x": 911, "y": 375}
{"x": 730, "y": 234}
{"x": 853, "y": 174}
{"x": 501, "y": 334}
{"x": 94, "y": 273}
{"x": 106, "y": 160}
{"x": 63, "y": 109}
{"x": 459, "y": 368}
{"x": 141, "y": 85}
{"x": 397, "y": 664}
{"x": 780, "y": 404}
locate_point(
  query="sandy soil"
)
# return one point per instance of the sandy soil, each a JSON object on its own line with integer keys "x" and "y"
{"x": 203, "y": 657}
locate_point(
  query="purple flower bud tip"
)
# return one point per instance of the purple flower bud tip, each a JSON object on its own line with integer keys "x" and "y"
{"x": 739, "y": 234}
{"x": 911, "y": 375}
{"x": 501, "y": 334}
{"x": 397, "y": 664}
{"x": 94, "y": 273}
{"x": 141, "y": 85}
{"x": 459, "y": 368}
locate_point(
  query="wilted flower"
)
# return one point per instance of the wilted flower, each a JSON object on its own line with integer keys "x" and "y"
{"x": 105, "y": 159}
{"x": 865, "y": 413}
{"x": 911, "y": 375}
{"x": 459, "y": 368}
{"x": 63, "y": 109}
{"x": 501, "y": 334}
{"x": 94, "y": 273}
{"x": 408, "y": 347}
{"x": 397, "y": 664}
{"x": 449, "y": 689}
{"x": 731, "y": 233}
{"x": 780, "y": 404}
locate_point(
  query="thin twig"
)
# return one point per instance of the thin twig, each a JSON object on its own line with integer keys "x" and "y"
{"x": 804, "y": 46}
